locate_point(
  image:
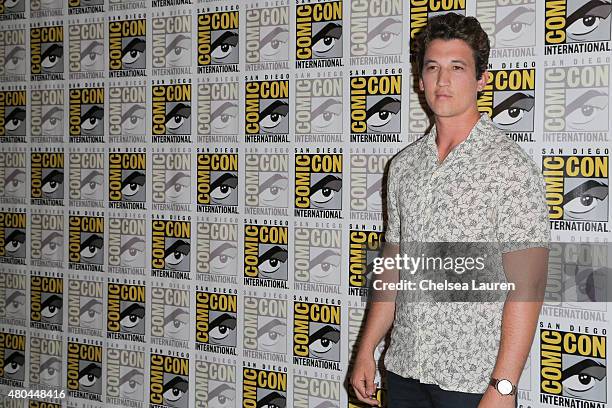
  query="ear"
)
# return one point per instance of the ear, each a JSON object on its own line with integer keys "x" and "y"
{"x": 421, "y": 86}
{"x": 482, "y": 82}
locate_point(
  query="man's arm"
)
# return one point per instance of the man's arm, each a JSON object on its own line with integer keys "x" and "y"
{"x": 528, "y": 270}
{"x": 378, "y": 322}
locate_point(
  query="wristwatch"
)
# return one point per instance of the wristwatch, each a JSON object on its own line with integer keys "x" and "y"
{"x": 503, "y": 386}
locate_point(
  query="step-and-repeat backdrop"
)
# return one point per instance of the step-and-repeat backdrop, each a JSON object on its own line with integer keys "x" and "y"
{"x": 190, "y": 191}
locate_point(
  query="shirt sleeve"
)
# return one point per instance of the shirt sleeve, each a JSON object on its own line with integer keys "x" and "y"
{"x": 392, "y": 231}
{"x": 522, "y": 213}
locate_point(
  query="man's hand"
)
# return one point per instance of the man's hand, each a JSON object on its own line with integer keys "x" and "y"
{"x": 362, "y": 379}
{"x": 493, "y": 399}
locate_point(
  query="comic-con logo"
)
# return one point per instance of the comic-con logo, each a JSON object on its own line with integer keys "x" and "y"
{"x": 13, "y": 298}
{"x": 316, "y": 335}
{"x": 171, "y": 113}
{"x": 127, "y": 180}
{"x": 12, "y": 359}
{"x": 169, "y": 381}
{"x": 376, "y": 108}
{"x": 215, "y": 384}
{"x": 127, "y": 114}
{"x": 13, "y": 177}
{"x": 12, "y": 55}
{"x": 171, "y": 45}
{"x": 263, "y": 388}
{"x": 45, "y": 361}
{"x": 217, "y": 110}
{"x": 126, "y": 245}
{"x": 125, "y": 378}
{"x": 217, "y": 178}
{"x": 318, "y": 185}
{"x": 46, "y": 302}
{"x": 126, "y": 308}
{"x": 86, "y": 242}
{"x": 84, "y": 371}
{"x": 47, "y": 116}
{"x": 318, "y": 110}
{"x": 216, "y": 321}
{"x": 267, "y": 110}
{"x": 85, "y": 305}
{"x": 171, "y": 248}
{"x": 568, "y": 22}
{"x": 267, "y": 35}
{"x": 577, "y": 189}
{"x": 367, "y": 184}
{"x": 317, "y": 258}
{"x": 576, "y": 99}
{"x": 86, "y": 115}
{"x": 572, "y": 366}
{"x": 86, "y": 48}
{"x": 217, "y": 251}
{"x": 47, "y": 53}
{"x": 86, "y": 180}
{"x": 265, "y": 255}
{"x": 12, "y": 10}
{"x": 13, "y": 237}
{"x": 421, "y": 10}
{"x": 266, "y": 184}
{"x": 364, "y": 247}
{"x": 218, "y": 49}
{"x": 13, "y": 115}
{"x": 265, "y": 328}
{"x": 314, "y": 391}
{"x": 171, "y": 181}
{"x": 509, "y": 99}
{"x": 170, "y": 316}
{"x": 47, "y": 182}
{"x": 508, "y": 25}
{"x": 318, "y": 34}
{"x": 127, "y": 47}
{"x": 376, "y": 30}
{"x": 47, "y": 240}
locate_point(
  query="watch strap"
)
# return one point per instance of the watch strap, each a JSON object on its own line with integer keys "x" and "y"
{"x": 494, "y": 381}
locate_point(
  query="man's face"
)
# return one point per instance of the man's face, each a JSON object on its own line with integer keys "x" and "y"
{"x": 449, "y": 78}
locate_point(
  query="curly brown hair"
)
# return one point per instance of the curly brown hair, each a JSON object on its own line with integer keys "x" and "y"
{"x": 453, "y": 26}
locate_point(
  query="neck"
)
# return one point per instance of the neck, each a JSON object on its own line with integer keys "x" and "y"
{"x": 453, "y": 130}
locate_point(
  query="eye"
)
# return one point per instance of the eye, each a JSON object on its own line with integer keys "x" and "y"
{"x": 91, "y": 246}
{"x": 325, "y": 40}
{"x": 511, "y": 110}
{"x": 222, "y": 258}
{"x": 90, "y": 375}
{"x": 272, "y": 116}
{"x": 176, "y": 321}
{"x": 325, "y": 264}
{"x": 133, "y": 51}
{"x": 222, "y": 326}
{"x": 325, "y": 189}
{"x": 178, "y": 47}
{"x": 52, "y": 120}
{"x": 223, "y": 46}
{"x": 132, "y": 315}
{"x": 90, "y": 311}
{"x": 14, "y": 182}
{"x": 272, "y": 189}
{"x": 382, "y": 112}
{"x": 271, "y": 260}
{"x": 585, "y": 198}
{"x": 14, "y": 119}
{"x": 515, "y": 25}
{"x": 272, "y": 400}
{"x": 131, "y": 252}
{"x": 14, "y": 302}
{"x": 15, "y": 57}
{"x": 133, "y": 118}
{"x": 175, "y": 389}
{"x": 51, "y": 244}
{"x": 177, "y": 116}
{"x": 14, "y": 241}
{"x": 271, "y": 333}
{"x": 10, "y": 3}
{"x": 13, "y": 363}
{"x": 52, "y": 56}
{"x": 91, "y": 183}
{"x": 274, "y": 42}
{"x": 324, "y": 339}
{"x": 224, "y": 116}
{"x": 132, "y": 184}
{"x": 50, "y": 369}
{"x": 92, "y": 118}
{"x": 91, "y": 54}
{"x": 223, "y": 186}
{"x": 51, "y": 307}
{"x": 583, "y": 376}
{"x": 582, "y": 112}
{"x": 326, "y": 114}
{"x": 177, "y": 252}
{"x": 177, "y": 185}
{"x": 131, "y": 382}
{"x": 222, "y": 397}
{"x": 384, "y": 35}
{"x": 52, "y": 182}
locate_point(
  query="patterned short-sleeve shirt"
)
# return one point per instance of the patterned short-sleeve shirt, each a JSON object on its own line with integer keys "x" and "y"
{"x": 486, "y": 190}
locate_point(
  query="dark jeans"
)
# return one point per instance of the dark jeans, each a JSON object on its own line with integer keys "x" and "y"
{"x": 409, "y": 393}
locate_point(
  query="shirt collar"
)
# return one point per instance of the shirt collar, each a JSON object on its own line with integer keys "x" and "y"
{"x": 477, "y": 136}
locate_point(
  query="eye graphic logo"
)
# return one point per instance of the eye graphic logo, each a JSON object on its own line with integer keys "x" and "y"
{"x": 126, "y": 312}
{"x": 12, "y": 9}
{"x": 12, "y": 359}
{"x": 13, "y": 299}
{"x": 216, "y": 321}
{"x": 218, "y": 42}
{"x": 84, "y": 371}
{"x": 127, "y": 47}
{"x": 364, "y": 246}
{"x": 316, "y": 335}
{"x": 170, "y": 316}
{"x": 13, "y": 238}
{"x": 568, "y": 22}
{"x": 577, "y": 188}
{"x": 85, "y": 6}
{"x": 47, "y": 302}
{"x": 47, "y": 115}
{"x": 45, "y": 361}
{"x": 124, "y": 376}
{"x": 86, "y": 243}
{"x": 12, "y": 177}
{"x": 263, "y": 388}
{"x": 317, "y": 258}
{"x": 265, "y": 253}
{"x": 319, "y": 32}
{"x": 86, "y": 46}
{"x": 126, "y": 245}
{"x": 127, "y": 114}
{"x": 577, "y": 99}
{"x": 86, "y": 116}
{"x": 171, "y": 181}
{"x": 267, "y": 108}
{"x": 171, "y": 110}
{"x": 217, "y": 110}
{"x": 47, "y": 240}
{"x": 171, "y": 248}
{"x": 169, "y": 381}
{"x": 217, "y": 181}
{"x": 267, "y": 180}
{"x": 367, "y": 187}
{"x": 509, "y": 99}
{"x": 47, "y": 53}
{"x": 86, "y": 179}
{"x": 420, "y": 11}
{"x": 318, "y": 105}
{"x": 375, "y": 106}
{"x": 572, "y": 366}
{"x": 127, "y": 180}
{"x": 265, "y": 327}
{"x": 47, "y": 182}
{"x": 171, "y": 44}
{"x": 13, "y": 49}
{"x": 508, "y": 26}
{"x": 318, "y": 184}
{"x": 376, "y": 29}
{"x": 217, "y": 247}
{"x": 13, "y": 115}
{"x": 267, "y": 35}
{"x": 85, "y": 305}
{"x": 215, "y": 384}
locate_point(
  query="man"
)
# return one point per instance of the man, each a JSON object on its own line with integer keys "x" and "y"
{"x": 465, "y": 181}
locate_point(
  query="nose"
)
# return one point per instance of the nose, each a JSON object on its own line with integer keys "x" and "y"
{"x": 443, "y": 77}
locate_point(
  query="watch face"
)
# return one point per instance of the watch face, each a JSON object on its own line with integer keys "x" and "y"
{"x": 504, "y": 387}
